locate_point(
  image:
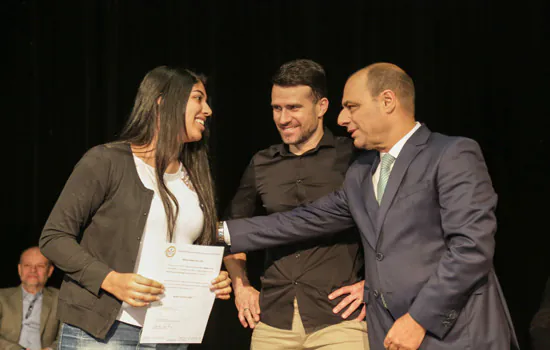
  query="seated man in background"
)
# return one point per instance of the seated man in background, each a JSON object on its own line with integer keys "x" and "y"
{"x": 27, "y": 312}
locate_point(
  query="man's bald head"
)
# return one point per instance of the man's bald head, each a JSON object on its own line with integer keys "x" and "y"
{"x": 378, "y": 106}
{"x": 34, "y": 270}
{"x": 32, "y": 251}
{"x": 387, "y": 76}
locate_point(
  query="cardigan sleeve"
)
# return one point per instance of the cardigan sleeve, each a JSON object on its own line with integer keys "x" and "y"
{"x": 83, "y": 194}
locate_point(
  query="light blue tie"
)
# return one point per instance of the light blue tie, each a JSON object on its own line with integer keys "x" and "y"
{"x": 385, "y": 169}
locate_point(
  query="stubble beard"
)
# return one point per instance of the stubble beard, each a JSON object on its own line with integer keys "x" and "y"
{"x": 301, "y": 138}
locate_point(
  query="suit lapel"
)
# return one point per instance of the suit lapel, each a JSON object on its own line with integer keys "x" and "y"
{"x": 370, "y": 200}
{"x": 367, "y": 222}
{"x": 409, "y": 151}
{"x": 46, "y": 308}
{"x": 16, "y": 299}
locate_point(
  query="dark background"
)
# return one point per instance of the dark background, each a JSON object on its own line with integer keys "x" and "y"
{"x": 73, "y": 69}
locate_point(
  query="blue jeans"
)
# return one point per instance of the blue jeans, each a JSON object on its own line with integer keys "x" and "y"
{"x": 121, "y": 336}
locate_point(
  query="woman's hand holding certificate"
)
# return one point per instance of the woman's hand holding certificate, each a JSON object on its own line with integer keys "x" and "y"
{"x": 132, "y": 288}
{"x": 192, "y": 280}
{"x": 222, "y": 286}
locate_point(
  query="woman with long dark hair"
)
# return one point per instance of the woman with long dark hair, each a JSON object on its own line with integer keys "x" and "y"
{"x": 121, "y": 203}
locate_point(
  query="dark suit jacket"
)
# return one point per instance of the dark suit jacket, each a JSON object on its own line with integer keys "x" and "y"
{"x": 11, "y": 317}
{"x": 428, "y": 247}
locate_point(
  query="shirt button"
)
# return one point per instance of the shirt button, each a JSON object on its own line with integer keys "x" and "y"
{"x": 145, "y": 214}
{"x": 295, "y": 282}
{"x": 379, "y": 256}
{"x": 299, "y": 181}
{"x": 297, "y": 255}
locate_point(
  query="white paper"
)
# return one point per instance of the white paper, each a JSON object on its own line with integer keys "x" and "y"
{"x": 182, "y": 314}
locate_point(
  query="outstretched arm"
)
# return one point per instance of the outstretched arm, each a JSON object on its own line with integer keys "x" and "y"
{"x": 326, "y": 215}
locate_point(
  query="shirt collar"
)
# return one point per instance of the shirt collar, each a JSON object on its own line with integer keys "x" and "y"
{"x": 396, "y": 149}
{"x": 328, "y": 140}
{"x": 29, "y": 295}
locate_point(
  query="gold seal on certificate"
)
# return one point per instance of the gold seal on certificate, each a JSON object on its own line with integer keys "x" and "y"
{"x": 186, "y": 271}
{"x": 170, "y": 251}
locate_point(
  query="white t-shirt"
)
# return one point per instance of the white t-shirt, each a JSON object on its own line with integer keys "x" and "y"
{"x": 189, "y": 225}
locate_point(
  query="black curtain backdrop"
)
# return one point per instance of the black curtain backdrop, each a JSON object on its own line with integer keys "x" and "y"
{"x": 480, "y": 71}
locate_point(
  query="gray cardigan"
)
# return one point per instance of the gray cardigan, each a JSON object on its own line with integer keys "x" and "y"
{"x": 96, "y": 227}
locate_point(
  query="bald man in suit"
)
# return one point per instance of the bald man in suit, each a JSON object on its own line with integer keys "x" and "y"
{"x": 425, "y": 207}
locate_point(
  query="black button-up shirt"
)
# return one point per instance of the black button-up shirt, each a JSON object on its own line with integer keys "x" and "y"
{"x": 278, "y": 180}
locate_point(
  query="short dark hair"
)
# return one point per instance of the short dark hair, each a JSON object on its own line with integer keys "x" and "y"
{"x": 303, "y": 72}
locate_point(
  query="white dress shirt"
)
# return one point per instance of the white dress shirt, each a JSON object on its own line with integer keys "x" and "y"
{"x": 394, "y": 151}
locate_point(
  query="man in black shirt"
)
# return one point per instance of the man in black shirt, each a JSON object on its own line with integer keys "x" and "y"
{"x": 305, "y": 286}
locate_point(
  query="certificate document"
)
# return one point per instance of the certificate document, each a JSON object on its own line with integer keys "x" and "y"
{"x": 181, "y": 315}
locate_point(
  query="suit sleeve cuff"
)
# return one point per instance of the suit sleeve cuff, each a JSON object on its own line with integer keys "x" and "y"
{"x": 437, "y": 325}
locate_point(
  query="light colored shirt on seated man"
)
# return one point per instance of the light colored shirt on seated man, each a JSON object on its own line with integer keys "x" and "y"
{"x": 30, "y": 326}
{"x": 189, "y": 224}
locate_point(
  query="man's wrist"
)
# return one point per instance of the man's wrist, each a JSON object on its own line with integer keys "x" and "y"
{"x": 240, "y": 282}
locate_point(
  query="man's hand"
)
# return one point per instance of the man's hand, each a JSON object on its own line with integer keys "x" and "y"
{"x": 132, "y": 288}
{"x": 355, "y": 298}
{"x": 221, "y": 285}
{"x": 405, "y": 334}
{"x": 247, "y": 301}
